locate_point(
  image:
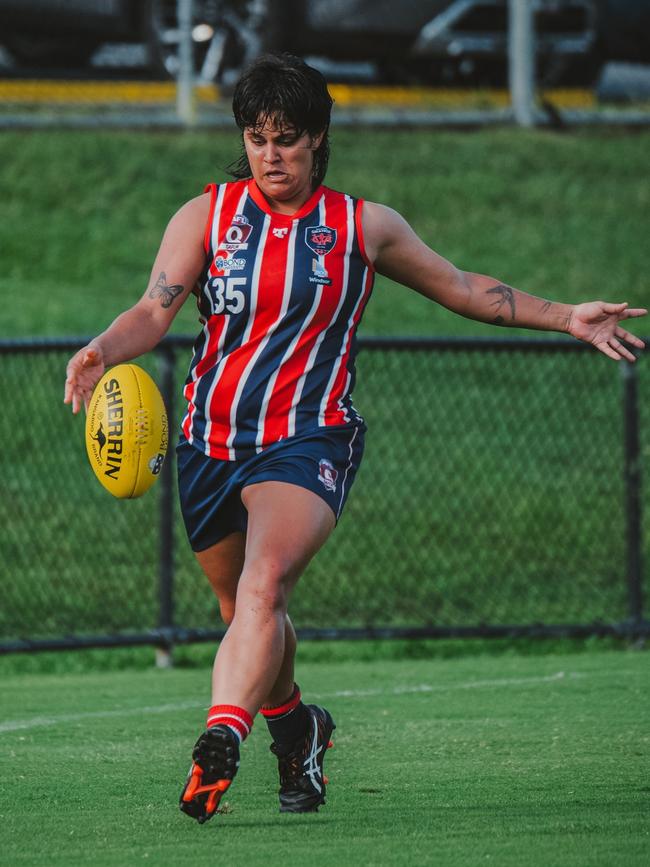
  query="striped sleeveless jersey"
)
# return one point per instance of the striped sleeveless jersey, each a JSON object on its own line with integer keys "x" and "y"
{"x": 280, "y": 300}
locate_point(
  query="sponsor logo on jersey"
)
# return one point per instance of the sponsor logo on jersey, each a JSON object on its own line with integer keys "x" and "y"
{"x": 327, "y": 474}
{"x": 229, "y": 264}
{"x": 237, "y": 234}
{"x": 319, "y": 275}
{"x": 320, "y": 239}
{"x": 281, "y": 233}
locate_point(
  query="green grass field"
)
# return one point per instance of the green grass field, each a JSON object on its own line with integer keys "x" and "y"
{"x": 488, "y": 759}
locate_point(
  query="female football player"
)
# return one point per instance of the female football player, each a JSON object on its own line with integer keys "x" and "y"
{"x": 282, "y": 268}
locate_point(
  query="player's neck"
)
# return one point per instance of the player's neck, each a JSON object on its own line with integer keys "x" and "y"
{"x": 287, "y": 206}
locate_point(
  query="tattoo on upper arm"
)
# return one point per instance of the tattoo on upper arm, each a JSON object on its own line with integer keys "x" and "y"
{"x": 505, "y": 295}
{"x": 161, "y": 289}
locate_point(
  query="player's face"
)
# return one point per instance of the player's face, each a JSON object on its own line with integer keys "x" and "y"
{"x": 281, "y": 163}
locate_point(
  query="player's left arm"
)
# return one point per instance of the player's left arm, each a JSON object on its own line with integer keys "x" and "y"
{"x": 398, "y": 253}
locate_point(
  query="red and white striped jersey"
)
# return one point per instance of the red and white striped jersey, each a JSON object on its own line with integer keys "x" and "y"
{"x": 280, "y": 301}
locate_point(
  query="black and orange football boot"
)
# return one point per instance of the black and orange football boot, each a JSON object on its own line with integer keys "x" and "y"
{"x": 215, "y": 763}
{"x": 302, "y": 783}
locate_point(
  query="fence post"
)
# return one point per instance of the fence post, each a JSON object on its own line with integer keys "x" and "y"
{"x": 633, "y": 507}
{"x": 521, "y": 61}
{"x": 166, "y": 523}
{"x": 185, "y": 81}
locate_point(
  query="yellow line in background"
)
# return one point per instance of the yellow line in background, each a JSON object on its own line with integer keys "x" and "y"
{"x": 567, "y": 97}
{"x": 36, "y": 91}
{"x": 414, "y": 97}
{"x": 100, "y": 92}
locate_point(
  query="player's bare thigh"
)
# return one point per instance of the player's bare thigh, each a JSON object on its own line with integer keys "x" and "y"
{"x": 223, "y": 564}
{"x": 287, "y": 524}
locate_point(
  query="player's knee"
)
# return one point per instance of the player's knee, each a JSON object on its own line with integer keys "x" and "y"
{"x": 266, "y": 586}
{"x": 269, "y": 597}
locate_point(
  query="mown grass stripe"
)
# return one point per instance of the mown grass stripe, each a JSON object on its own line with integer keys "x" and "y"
{"x": 500, "y": 683}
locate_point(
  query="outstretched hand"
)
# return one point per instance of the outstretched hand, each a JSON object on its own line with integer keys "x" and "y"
{"x": 84, "y": 371}
{"x": 597, "y": 322}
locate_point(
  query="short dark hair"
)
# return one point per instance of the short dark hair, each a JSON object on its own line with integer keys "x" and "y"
{"x": 285, "y": 89}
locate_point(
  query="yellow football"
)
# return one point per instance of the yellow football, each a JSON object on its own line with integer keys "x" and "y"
{"x": 126, "y": 431}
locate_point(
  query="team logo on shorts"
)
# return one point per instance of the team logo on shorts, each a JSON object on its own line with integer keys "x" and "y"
{"x": 237, "y": 234}
{"x": 327, "y": 474}
{"x": 320, "y": 239}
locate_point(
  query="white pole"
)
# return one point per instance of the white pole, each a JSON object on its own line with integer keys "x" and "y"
{"x": 185, "y": 80}
{"x": 521, "y": 61}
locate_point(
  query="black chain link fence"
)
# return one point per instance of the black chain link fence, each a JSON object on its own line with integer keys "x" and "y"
{"x": 500, "y": 494}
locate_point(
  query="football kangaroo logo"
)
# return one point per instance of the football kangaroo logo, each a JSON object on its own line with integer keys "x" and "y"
{"x": 320, "y": 239}
{"x": 100, "y": 438}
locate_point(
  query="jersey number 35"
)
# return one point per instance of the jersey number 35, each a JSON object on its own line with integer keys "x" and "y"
{"x": 224, "y": 294}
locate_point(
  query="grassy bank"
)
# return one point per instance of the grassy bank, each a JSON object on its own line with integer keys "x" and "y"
{"x": 562, "y": 215}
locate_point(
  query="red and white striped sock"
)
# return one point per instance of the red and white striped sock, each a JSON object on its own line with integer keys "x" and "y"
{"x": 236, "y": 718}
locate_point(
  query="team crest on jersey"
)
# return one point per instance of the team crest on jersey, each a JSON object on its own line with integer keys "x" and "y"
{"x": 320, "y": 239}
{"x": 237, "y": 234}
{"x": 327, "y": 474}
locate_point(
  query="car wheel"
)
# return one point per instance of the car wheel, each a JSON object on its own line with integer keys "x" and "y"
{"x": 226, "y": 36}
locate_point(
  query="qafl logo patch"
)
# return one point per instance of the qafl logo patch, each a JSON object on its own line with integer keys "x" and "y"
{"x": 327, "y": 474}
{"x": 237, "y": 235}
{"x": 320, "y": 239}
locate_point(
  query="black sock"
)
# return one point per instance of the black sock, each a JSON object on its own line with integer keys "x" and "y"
{"x": 287, "y": 722}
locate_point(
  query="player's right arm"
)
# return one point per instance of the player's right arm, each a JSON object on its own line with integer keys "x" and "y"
{"x": 177, "y": 266}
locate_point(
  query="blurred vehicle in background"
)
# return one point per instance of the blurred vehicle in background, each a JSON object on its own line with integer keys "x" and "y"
{"x": 66, "y": 33}
{"x": 433, "y": 41}
{"x": 464, "y": 40}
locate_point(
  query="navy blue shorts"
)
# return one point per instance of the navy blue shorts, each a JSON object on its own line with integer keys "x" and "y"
{"x": 324, "y": 461}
